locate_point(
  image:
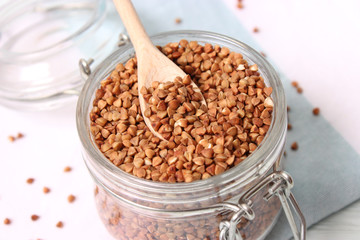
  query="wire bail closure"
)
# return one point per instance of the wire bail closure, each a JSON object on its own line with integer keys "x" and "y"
{"x": 123, "y": 39}
{"x": 84, "y": 65}
{"x": 280, "y": 183}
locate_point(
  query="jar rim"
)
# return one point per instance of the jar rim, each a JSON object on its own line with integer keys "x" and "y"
{"x": 249, "y": 167}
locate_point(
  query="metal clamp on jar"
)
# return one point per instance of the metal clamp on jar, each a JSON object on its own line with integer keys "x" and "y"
{"x": 277, "y": 183}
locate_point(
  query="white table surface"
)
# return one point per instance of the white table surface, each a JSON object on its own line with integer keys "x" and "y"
{"x": 313, "y": 42}
{"x": 317, "y": 44}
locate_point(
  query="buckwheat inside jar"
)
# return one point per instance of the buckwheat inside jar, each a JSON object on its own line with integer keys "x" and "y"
{"x": 202, "y": 141}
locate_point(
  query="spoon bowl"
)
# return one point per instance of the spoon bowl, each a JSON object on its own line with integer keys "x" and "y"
{"x": 152, "y": 64}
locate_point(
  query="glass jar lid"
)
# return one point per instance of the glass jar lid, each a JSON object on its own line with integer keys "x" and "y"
{"x": 41, "y": 43}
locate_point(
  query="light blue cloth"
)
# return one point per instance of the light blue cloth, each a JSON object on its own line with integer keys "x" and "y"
{"x": 325, "y": 168}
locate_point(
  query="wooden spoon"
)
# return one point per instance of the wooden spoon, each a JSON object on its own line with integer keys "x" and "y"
{"x": 152, "y": 64}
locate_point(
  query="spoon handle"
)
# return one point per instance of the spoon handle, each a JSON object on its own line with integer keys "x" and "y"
{"x": 132, "y": 23}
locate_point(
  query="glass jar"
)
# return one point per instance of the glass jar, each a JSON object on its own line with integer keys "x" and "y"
{"x": 221, "y": 207}
{"x": 37, "y": 35}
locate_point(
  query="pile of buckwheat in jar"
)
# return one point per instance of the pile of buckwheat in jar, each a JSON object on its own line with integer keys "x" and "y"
{"x": 201, "y": 141}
